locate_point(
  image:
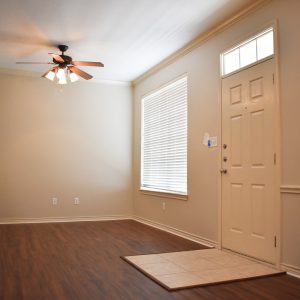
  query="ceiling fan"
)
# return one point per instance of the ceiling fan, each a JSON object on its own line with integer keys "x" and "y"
{"x": 65, "y": 65}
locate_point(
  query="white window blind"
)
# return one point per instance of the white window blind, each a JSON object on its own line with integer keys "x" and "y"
{"x": 164, "y": 139}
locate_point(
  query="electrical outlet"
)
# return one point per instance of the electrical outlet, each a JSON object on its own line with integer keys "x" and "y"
{"x": 76, "y": 200}
{"x": 164, "y": 206}
{"x": 54, "y": 201}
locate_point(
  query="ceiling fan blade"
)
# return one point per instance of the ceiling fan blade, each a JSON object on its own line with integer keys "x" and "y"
{"x": 80, "y": 73}
{"x": 57, "y": 57}
{"x": 34, "y": 62}
{"x": 87, "y": 63}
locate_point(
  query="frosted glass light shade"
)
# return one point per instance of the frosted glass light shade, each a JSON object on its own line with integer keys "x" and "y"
{"x": 62, "y": 80}
{"x": 73, "y": 77}
{"x": 50, "y": 75}
{"x": 61, "y": 74}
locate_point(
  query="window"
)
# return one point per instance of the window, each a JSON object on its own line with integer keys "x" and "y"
{"x": 164, "y": 139}
{"x": 257, "y": 48}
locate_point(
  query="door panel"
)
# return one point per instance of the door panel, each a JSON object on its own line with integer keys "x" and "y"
{"x": 236, "y": 207}
{"x": 258, "y": 210}
{"x": 248, "y": 137}
{"x": 236, "y": 141}
{"x": 257, "y": 138}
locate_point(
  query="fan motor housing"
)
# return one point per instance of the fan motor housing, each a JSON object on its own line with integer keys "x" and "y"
{"x": 63, "y": 48}
{"x": 67, "y": 60}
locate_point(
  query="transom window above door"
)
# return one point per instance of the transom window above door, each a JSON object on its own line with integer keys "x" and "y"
{"x": 257, "y": 48}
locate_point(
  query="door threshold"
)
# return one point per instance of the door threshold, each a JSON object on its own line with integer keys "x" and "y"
{"x": 266, "y": 263}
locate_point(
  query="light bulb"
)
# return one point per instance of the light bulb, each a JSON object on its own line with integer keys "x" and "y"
{"x": 62, "y": 80}
{"x": 50, "y": 75}
{"x": 61, "y": 74}
{"x": 73, "y": 77}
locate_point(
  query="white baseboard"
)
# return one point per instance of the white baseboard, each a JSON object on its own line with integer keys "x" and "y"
{"x": 181, "y": 233}
{"x": 169, "y": 229}
{"x": 291, "y": 270}
{"x": 290, "y": 189}
{"x": 64, "y": 219}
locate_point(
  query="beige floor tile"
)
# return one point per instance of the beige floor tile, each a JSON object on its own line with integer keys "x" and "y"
{"x": 212, "y": 253}
{"x": 218, "y": 275}
{"x": 179, "y": 280}
{"x": 230, "y": 260}
{"x": 199, "y": 267}
{"x": 163, "y": 268}
{"x": 146, "y": 259}
{"x": 175, "y": 255}
{"x": 255, "y": 269}
{"x": 196, "y": 264}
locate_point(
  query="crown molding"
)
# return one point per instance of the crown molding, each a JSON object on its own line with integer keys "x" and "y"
{"x": 35, "y": 74}
{"x": 202, "y": 38}
{"x": 112, "y": 82}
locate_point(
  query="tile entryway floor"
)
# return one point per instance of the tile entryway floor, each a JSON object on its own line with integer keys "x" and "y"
{"x": 178, "y": 270}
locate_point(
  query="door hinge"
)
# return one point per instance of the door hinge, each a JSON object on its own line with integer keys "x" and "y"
{"x": 275, "y": 159}
{"x": 275, "y": 241}
{"x": 273, "y": 78}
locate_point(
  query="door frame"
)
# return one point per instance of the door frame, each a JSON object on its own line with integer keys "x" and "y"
{"x": 278, "y": 210}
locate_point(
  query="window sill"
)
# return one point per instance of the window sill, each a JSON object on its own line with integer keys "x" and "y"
{"x": 163, "y": 194}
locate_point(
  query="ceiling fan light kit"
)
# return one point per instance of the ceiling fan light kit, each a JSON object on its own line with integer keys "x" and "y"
{"x": 50, "y": 75}
{"x": 73, "y": 77}
{"x": 65, "y": 68}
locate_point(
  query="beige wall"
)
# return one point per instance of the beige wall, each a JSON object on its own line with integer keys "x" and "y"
{"x": 73, "y": 142}
{"x": 199, "y": 215}
{"x": 291, "y": 229}
{"x": 77, "y": 142}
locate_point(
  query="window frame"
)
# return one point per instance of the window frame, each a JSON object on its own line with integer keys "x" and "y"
{"x": 152, "y": 191}
{"x": 244, "y": 42}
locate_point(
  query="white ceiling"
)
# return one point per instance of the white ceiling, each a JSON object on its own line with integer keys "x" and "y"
{"x": 128, "y": 36}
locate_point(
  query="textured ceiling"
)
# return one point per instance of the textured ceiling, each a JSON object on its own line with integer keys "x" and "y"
{"x": 128, "y": 36}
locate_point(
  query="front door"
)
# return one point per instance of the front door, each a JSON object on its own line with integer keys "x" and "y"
{"x": 249, "y": 161}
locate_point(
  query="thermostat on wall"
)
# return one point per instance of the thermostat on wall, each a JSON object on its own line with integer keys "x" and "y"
{"x": 212, "y": 142}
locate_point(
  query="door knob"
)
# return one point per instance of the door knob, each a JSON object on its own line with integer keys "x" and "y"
{"x": 223, "y": 171}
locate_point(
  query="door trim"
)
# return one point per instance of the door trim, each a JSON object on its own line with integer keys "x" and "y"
{"x": 278, "y": 211}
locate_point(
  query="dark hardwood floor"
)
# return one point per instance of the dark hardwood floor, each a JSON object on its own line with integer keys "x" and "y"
{"x": 82, "y": 261}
